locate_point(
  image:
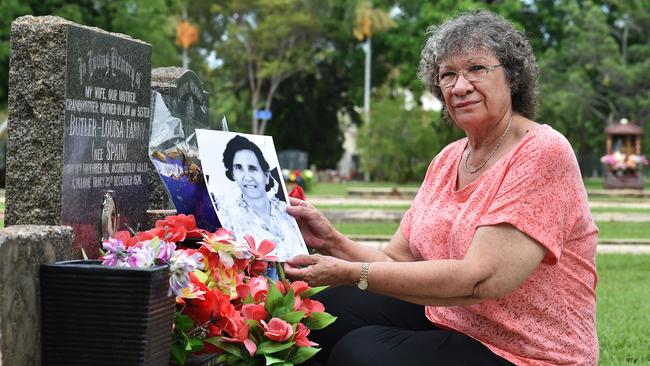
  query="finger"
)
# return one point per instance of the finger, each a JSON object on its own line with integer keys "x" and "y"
{"x": 298, "y": 211}
{"x": 293, "y": 272}
{"x": 302, "y": 260}
{"x": 297, "y": 202}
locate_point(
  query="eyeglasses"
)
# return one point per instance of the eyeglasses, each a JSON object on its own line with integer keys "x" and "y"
{"x": 472, "y": 73}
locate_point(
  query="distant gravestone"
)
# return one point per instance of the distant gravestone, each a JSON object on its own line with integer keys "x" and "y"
{"x": 79, "y": 117}
{"x": 293, "y": 159}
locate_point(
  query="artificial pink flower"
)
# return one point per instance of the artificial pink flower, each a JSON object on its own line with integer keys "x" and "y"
{"x": 301, "y": 336}
{"x": 236, "y": 327}
{"x": 256, "y": 286}
{"x": 261, "y": 252}
{"x": 277, "y": 330}
{"x": 297, "y": 286}
{"x": 254, "y": 312}
{"x": 311, "y": 306}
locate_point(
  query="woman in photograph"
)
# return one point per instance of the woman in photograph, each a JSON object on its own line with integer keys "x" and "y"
{"x": 494, "y": 262}
{"x": 257, "y": 210}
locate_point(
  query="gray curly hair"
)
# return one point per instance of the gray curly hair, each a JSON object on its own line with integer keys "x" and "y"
{"x": 480, "y": 31}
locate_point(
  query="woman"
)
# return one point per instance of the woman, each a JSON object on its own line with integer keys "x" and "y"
{"x": 256, "y": 211}
{"x": 494, "y": 263}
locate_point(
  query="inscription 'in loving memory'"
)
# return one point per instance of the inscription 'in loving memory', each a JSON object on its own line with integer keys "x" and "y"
{"x": 108, "y": 63}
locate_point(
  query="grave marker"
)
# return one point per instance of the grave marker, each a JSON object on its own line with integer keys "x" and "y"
{"x": 79, "y": 117}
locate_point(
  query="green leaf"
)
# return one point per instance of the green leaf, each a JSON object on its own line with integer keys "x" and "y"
{"x": 270, "y": 360}
{"x": 196, "y": 344}
{"x": 319, "y": 320}
{"x": 272, "y": 347}
{"x": 273, "y": 298}
{"x": 249, "y": 299}
{"x": 224, "y": 357}
{"x": 302, "y": 354}
{"x": 85, "y": 256}
{"x": 232, "y": 360}
{"x": 285, "y": 305}
{"x": 233, "y": 348}
{"x": 293, "y": 317}
{"x": 154, "y": 243}
{"x": 201, "y": 276}
{"x": 312, "y": 291}
{"x": 178, "y": 354}
{"x": 183, "y": 322}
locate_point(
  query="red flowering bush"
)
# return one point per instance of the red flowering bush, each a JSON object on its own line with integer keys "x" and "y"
{"x": 226, "y": 301}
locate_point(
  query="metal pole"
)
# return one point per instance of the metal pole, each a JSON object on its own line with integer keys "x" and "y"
{"x": 366, "y": 84}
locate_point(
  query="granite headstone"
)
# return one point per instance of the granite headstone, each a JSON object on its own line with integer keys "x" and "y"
{"x": 79, "y": 117}
{"x": 181, "y": 107}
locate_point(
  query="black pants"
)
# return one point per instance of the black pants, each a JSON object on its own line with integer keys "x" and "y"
{"x": 377, "y": 330}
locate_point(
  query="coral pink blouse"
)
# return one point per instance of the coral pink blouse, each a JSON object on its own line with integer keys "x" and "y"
{"x": 550, "y": 318}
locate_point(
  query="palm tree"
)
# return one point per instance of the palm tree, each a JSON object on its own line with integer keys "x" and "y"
{"x": 369, "y": 20}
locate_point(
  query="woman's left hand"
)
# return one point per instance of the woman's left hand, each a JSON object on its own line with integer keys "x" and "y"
{"x": 319, "y": 270}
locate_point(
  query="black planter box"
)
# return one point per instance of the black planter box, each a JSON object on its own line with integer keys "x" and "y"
{"x": 97, "y": 315}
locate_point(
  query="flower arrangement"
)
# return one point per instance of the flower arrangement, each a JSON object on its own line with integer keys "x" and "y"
{"x": 227, "y": 299}
{"x": 297, "y": 177}
{"x": 621, "y": 163}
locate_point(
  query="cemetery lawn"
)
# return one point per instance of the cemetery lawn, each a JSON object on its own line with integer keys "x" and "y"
{"x": 631, "y": 210}
{"x": 623, "y": 309}
{"x": 596, "y": 184}
{"x": 608, "y": 230}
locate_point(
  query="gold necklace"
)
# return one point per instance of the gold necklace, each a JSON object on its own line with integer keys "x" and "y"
{"x": 470, "y": 171}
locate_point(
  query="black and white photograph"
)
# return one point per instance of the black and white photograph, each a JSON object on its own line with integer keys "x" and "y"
{"x": 244, "y": 179}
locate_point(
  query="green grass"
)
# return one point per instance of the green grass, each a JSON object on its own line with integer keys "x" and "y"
{"x": 596, "y": 184}
{"x": 368, "y": 228}
{"x": 630, "y": 210}
{"x": 627, "y": 230}
{"x": 623, "y": 309}
{"x": 608, "y": 230}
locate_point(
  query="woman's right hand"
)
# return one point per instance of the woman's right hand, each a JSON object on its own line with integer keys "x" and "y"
{"x": 318, "y": 231}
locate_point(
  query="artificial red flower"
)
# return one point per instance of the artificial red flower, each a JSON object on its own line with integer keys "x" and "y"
{"x": 215, "y": 305}
{"x": 277, "y": 330}
{"x": 254, "y": 312}
{"x": 298, "y": 193}
{"x": 145, "y": 235}
{"x": 179, "y": 226}
{"x": 301, "y": 336}
{"x": 258, "y": 268}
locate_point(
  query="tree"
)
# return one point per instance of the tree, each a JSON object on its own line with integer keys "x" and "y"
{"x": 401, "y": 142}
{"x": 264, "y": 46}
{"x": 369, "y": 20}
{"x": 148, "y": 20}
{"x": 592, "y": 77}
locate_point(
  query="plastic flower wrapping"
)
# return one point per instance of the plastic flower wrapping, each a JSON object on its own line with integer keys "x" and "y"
{"x": 227, "y": 299}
